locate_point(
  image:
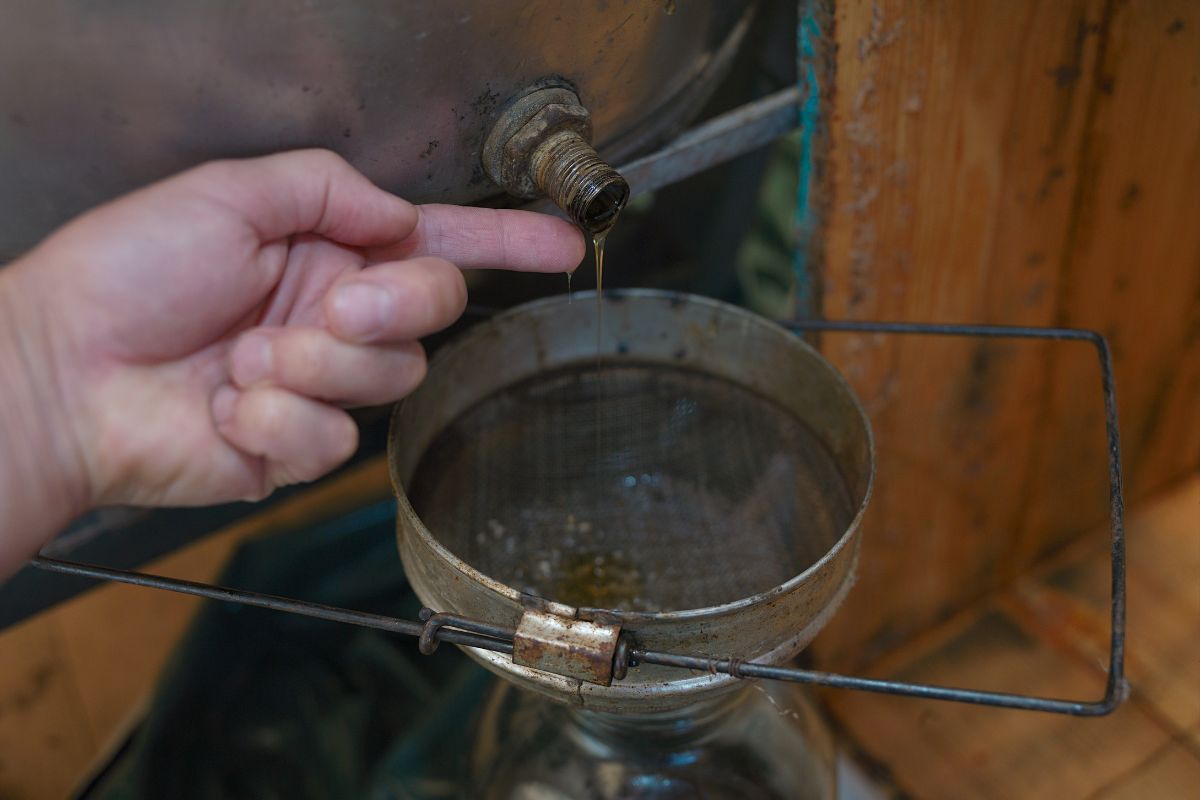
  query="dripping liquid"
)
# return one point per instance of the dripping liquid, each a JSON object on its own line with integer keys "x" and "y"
{"x": 598, "y": 246}
{"x": 598, "y": 588}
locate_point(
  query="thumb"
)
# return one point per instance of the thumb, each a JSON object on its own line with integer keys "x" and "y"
{"x": 306, "y": 191}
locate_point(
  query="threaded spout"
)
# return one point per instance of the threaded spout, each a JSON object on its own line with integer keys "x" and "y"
{"x": 569, "y": 172}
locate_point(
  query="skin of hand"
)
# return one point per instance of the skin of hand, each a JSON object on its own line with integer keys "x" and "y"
{"x": 197, "y": 341}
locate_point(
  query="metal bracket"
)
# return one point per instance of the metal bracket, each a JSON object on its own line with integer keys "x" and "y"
{"x": 734, "y": 133}
{"x": 575, "y": 648}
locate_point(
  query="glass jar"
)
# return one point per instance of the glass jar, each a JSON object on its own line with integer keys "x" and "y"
{"x": 757, "y": 741}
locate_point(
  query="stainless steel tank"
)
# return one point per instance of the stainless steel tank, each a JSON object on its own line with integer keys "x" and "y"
{"x": 99, "y": 97}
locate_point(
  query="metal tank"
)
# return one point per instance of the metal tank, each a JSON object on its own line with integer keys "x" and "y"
{"x": 99, "y": 97}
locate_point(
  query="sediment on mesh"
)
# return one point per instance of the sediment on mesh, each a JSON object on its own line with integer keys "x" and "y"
{"x": 635, "y": 488}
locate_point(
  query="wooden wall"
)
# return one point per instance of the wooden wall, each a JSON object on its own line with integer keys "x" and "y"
{"x": 1015, "y": 162}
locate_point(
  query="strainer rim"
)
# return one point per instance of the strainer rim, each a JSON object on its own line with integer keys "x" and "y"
{"x": 481, "y": 330}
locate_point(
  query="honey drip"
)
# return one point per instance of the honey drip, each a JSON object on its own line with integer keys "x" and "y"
{"x": 598, "y": 246}
{"x": 600, "y": 591}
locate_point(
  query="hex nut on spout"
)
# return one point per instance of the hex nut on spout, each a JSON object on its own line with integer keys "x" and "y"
{"x": 540, "y": 145}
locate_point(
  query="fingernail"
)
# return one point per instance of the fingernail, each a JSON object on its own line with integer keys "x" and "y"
{"x": 362, "y": 310}
{"x": 223, "y": 403}
{"x": 251, "y": 360}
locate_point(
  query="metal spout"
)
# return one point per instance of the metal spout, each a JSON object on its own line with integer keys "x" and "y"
{"x": 541, "y": 145}
{"x": 569, "y": 171}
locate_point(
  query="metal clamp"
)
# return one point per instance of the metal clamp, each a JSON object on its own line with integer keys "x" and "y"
{"x": 575, "y": 648}
{"x": 433, "y": 623}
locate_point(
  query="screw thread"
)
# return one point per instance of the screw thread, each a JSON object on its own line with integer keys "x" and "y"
{"x": 572, "y": 174}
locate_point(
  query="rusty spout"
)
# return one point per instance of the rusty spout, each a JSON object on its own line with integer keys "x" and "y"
{"x": 570, "y": 172}
{"x": 541, "y": 146}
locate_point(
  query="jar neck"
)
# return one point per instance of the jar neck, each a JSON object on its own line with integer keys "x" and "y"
{"x": 690, "y": 726}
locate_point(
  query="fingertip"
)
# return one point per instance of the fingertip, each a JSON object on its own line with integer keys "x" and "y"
{"x": 409, "y": 212}
{"x": 396, "y": 301}
{"x": 552, "y": 244}
{"x": 332, "y": 438}
{"x": 300, "y": 438}
{"x": 544, "y": 243}
{"x": 405, "y": 217}
{"x": 358, "y": 212}
{"x": 573, "y": 245}
{"x": 358, "y": 311}
{"x": 455, "y": 295}
{"x": 418, "y": 366}
{"x": 541, "y": 242}
{"x": 344, "y": 438}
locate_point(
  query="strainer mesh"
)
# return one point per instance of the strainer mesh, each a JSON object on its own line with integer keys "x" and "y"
{"x": 635, "y": 487}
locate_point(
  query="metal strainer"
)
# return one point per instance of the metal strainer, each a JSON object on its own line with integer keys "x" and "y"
{"x": 692, "y": 473}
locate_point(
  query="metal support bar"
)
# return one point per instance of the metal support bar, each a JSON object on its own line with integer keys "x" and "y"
{"x": 288, "y": 605}
{"x": 472, "y": 633}
{"x": 1116, "y": 688}
{"x": 722, "y": 138}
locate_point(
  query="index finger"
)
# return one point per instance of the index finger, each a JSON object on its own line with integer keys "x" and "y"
{"x": 489, "y": 238}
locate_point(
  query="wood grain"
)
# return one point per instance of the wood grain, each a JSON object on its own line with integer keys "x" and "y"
{"x": 948, "y": 750}
{"x": 1173, "y": 771}
{"x": 978, "y": 160}
{"x": 1132, "y": 271}
{"x": 45, "y": 737}
{"x": 1069, "y": 601}
{"x": 1048, "y": 635}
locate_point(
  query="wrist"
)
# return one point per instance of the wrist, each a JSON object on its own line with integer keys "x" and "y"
{"x": 43, "y": 483}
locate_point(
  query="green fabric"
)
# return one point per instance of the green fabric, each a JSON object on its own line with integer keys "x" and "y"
{"x": 765, "y": 269}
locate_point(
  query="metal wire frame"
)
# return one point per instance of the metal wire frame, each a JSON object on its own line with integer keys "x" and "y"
{"x": 1116, "y": 688}
{"x": 472, "y": 633}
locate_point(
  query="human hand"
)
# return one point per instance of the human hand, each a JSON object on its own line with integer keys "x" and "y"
{"x": 197, "y": 341}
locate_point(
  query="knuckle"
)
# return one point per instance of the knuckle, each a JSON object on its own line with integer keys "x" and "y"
{"x": 269, "y": 413}
{"x": 221, "y": 172}
{"x": 322, "y": 158}
{"x": 303, "y": 360}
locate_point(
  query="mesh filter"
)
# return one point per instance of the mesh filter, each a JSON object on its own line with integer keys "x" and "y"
{"x": 635, "y": 487}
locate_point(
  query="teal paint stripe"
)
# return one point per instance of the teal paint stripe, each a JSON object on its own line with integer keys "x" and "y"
{"x": 808, "y": 34}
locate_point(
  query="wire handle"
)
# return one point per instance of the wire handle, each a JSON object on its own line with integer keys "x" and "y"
{"x": 444, "y": 627}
